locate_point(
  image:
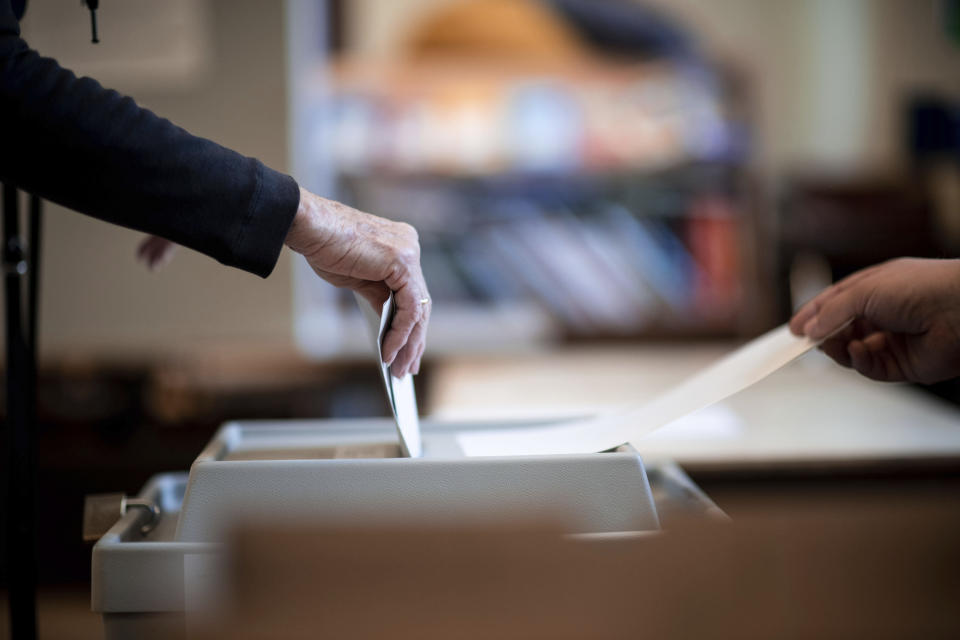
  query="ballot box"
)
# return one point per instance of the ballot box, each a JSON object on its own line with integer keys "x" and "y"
{"x": 162, "y": 558}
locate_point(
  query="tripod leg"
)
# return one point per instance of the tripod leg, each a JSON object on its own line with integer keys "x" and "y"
{"x": 33, "y": 295}
{"x": 21, "y": 437}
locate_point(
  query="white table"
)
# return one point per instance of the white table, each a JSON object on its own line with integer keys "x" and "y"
{"x": 810, "y": 412}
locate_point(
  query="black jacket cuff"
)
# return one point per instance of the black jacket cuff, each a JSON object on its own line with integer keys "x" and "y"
{"x": 268, "y": 220}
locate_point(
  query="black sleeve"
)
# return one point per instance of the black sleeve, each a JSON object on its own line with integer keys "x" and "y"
{"x": 73, "y": 142}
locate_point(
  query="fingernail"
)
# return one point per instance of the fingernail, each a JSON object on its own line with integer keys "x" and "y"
{"x": 809, "y": 327}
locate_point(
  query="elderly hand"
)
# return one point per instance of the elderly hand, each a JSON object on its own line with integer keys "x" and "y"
{"x": 906, "y": 320}
{"x": 372, "y": 256}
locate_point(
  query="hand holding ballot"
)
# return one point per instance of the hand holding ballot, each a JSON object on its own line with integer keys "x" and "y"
{"x": 372, "y": 256}
{"x": 905, "y": 320}
{"x": 348, "y": 248}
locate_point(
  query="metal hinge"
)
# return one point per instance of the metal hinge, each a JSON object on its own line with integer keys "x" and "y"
{"x": 102, "y": 510}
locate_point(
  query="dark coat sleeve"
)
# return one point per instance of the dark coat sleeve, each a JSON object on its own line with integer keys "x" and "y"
{"x": 93, "y": 150}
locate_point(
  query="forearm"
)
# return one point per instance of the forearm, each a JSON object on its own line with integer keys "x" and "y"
{"x": 73, "y": 142}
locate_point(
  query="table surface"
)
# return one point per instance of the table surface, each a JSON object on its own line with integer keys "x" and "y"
{"x": 811, "y": 411}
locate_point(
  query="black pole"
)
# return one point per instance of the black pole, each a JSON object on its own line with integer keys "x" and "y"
{"x": 33, "y": 300}
{"x": 21, "y": 442}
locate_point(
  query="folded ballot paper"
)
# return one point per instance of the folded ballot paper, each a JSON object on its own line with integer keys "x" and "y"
{"x": 735, "y": 372}
{"x": 400, "y": 394}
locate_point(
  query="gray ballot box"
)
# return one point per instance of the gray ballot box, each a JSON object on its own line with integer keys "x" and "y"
{"x": 157, "y": 563}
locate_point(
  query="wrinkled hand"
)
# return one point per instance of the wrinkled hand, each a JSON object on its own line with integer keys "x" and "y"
{"x": 156, "y": 252}
{"x": 906, "y": 320}
{"x": 372, "y": 256}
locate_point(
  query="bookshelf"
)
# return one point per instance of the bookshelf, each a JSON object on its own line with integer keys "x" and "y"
{"x": 590, "y": 200}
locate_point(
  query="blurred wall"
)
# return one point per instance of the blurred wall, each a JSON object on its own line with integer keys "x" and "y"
{"x": 825, "y": 75}
{"x": 225, "y": 80}
{"x": 830, "y": 75}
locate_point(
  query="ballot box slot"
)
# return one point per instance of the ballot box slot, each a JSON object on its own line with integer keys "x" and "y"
{"x": 360, "y": 450}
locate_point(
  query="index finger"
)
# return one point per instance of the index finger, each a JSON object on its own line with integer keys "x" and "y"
{"x": 412, "y": 307}
{"x": 836, "y": 312}
{"x": 815, "y": 306}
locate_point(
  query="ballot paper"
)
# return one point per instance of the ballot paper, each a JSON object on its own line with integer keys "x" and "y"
{"x": 735, "y": 372}
{"x": 400, "y": 393}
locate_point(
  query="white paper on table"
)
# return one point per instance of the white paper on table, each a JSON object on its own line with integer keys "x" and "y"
{"x": 732, "y": 373}
{"x": 716, "y": 422}
{"x": 400, "y": 392}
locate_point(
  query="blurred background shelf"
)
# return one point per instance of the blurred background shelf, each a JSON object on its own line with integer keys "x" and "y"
{"x": 569, "y": 181}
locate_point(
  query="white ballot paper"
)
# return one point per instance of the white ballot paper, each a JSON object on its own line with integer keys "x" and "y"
{"x": 400, "y": 393}
{"x": 732, "y": 373}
